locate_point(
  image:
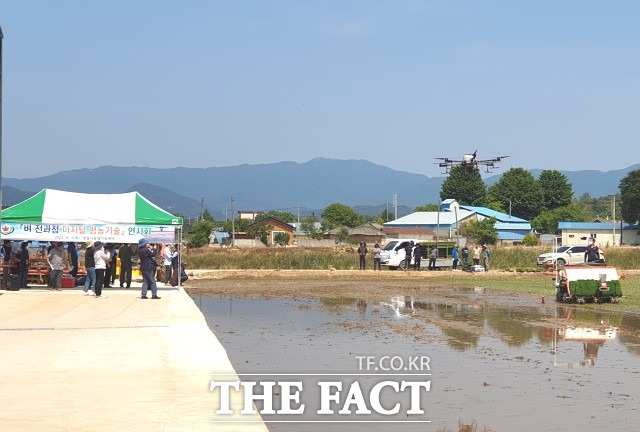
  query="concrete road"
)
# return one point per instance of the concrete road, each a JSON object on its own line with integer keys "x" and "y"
{"x": 70, "y": 362}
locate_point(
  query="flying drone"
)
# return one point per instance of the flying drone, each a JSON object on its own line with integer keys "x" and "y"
{"x": 469, "y": 162}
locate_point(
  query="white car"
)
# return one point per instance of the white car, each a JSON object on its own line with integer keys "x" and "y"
{"x": 563, "y": 255}
{"x": 393, "y": 255}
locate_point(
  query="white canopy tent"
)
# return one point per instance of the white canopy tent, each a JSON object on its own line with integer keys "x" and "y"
{"x": 54, "y": 215}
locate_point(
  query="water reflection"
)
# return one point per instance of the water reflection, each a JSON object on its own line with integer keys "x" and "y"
{"x": 499, "y": 364}
{"x": 462, "y": 324}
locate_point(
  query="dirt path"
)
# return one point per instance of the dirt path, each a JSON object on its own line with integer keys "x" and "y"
{"x": 367, "y": 285}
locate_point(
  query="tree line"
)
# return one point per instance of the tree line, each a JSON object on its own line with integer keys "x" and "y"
{"x": 544, "y": 201}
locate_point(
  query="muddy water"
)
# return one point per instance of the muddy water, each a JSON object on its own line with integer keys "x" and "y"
{"x": 494, "y": 363}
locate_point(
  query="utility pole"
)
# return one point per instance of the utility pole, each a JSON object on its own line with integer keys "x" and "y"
{"x": 233, "y": 226}
{"x": 201, "y": 208}
{"x": 395, "y": 205}
{"x": 455, "y": 211}
{"x": 613, "y": 211}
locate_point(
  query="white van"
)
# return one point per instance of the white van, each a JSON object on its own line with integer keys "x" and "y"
{"x": 393, "y": 255}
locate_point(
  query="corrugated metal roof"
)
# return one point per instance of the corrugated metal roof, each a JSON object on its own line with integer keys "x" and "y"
{"x": 596, "y": 226}
{"x": 526, "y": 226}
{"x": 429, "y": 219}
{"x": 501, "y": 217}
{"x": 507, "y": 235}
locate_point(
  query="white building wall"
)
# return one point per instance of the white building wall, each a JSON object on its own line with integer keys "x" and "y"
{"x": 604, "y": 238}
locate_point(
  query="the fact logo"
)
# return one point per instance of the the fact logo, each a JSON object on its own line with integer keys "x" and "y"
{"x": 356, "y": 397}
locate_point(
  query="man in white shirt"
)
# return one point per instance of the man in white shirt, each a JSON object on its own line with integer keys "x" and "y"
{"x": 167, "y": 254}
{"x": 57, "y": 259}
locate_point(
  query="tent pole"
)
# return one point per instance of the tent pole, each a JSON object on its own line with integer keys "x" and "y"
{"x": 180, "y": 258}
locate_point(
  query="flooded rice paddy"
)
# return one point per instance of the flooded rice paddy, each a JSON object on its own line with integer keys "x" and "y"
{"x": 494, "y": 362}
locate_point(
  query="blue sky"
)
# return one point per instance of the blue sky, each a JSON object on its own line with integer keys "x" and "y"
{"x": 553, "y": 84}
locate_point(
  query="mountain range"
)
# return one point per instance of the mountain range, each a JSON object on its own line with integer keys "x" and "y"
{"x": 300, "y": 188}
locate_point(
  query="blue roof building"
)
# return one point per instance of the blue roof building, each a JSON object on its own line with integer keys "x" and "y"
{"x": 443, "y": 223}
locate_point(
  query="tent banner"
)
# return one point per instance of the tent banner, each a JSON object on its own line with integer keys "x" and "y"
{"x": 106, "y": 233}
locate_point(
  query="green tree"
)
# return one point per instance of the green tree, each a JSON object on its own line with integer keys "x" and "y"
{"x": 529, "y": 240}
{"x": 281, "y": 238}
{"x": 547, "y": 221}
{"x": 283, "y": 216}
{"x": 199, "y": 235}
{"x": 427, "y": 208}
{"x": 465, "y": 186}
{"x": 238, "y": 225}
{"x": 599, "y": 208}
{"x": 260, "y": 231}
{"x": 308, "y": 226}
{"x": 385, "y": 216}
{"x": 556, "y": 189}
{"x": 207, "y": 216}
{"x": 483, "y": 231}
{"x": 630, "y": 194}
{"x": 342, "y": 234}
{"x": 337, "y": 214}
{"x": 494, "y": 204}
{"x": 518, "y": 189}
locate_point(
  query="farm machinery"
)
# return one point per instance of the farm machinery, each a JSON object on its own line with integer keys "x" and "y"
{"x": 587, "y": 284}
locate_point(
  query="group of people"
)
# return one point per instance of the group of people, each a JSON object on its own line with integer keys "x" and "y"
{"x": 97, "y": 257}
{"x": 17, "y": 257}
{"x": 477, "y": 253}
{"x": 410, "y": 249}
{"x": 99, "y": 263}
{"x": 413, "y": 252}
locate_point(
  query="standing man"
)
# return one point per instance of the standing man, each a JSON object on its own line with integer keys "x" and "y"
{"x": 24, "y": 265}
{"x": 167, "y": 255}
{"x": 57, "y": 260}
{"x": 485, "y": 257}
{"x": 592, "y": 253}
{"x": 90, "y": 266}
{"x": 376, "y": 256}
{"x": 417, "y": 257}
{"x": 362, "y": 254}
{"x": 408, "y": 252}
{"x": 148, "y": 269}
{"x": 476, "y": 255}
{"x": 126, "y": 254}
{"x": 465, "y": 255}
{"x": 6, "y": 259}
{"x": 73, "y": 257}
{"x": 454, "y": 256}
{"x": 433, "y": 255}
{"x": 101, "y": 258}
{"x": 112, "y": 267}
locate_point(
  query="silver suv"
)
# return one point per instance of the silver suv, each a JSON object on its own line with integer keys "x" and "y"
{"x": 563, "y": 255}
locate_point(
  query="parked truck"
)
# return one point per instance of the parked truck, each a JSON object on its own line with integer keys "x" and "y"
{"x": 393, "y": 253}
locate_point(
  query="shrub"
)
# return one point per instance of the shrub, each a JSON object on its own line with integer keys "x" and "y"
{"x": 590, "y": 288}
